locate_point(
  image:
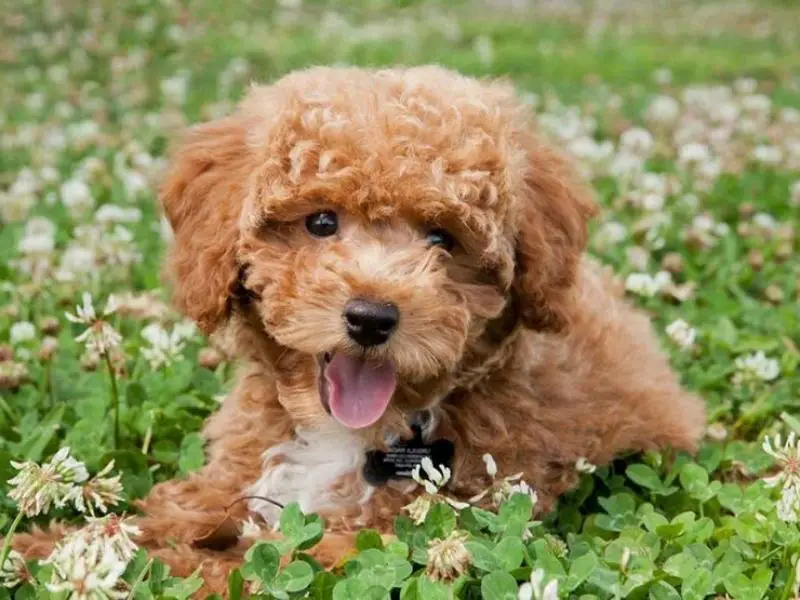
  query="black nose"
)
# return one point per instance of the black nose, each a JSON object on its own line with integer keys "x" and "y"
{"x": 370, "y": 323}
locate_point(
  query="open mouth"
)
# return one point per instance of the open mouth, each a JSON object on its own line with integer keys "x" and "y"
{"x": 355, "y": 391}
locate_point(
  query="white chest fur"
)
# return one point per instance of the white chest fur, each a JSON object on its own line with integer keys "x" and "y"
{"x": 304, "y": 469}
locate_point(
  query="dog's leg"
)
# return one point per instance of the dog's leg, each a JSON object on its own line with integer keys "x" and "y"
{"x": 175, "y": 512}
{"x": 188, "y": 511}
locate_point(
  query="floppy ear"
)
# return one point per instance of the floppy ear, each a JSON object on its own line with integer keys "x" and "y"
{"x": 551, "y": 237}
{"x": 202, "y": 196}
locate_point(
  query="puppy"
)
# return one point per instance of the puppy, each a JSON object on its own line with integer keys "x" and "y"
{"x": 394, "y": 254}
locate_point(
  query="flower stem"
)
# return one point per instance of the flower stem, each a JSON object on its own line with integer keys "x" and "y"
{"x": 147, "y": 437}
{"x": 114, "y": 398}
{"x": 140, "y": 578}
{"x": 7, "y": 544}
{"x": 46, "y": 384}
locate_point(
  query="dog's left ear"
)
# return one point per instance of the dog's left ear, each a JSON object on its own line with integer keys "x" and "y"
{"x": 551, "y": 237}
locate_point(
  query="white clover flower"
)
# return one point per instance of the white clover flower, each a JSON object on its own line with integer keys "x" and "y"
{"x": 656, "y": 183}
{"x": 610, "y": 233}
{"x": 703, "y": 222}
{"x": 745, "y": 85}
{"x": 788, "y": 506}
{"x": 448, "y": 558}
{"x": 13, "y": 571}
{"x": 83, "y": 132}
{"x": 100, "y": 337}
{"x": 520, "y": 487}
{"x": 582, "y": 465}
{"x": 17, "y": 202}
{"x": 747, "y": 126}
{"x": 90, "y": 168}
{"x": 35, "y": 101}
{"x": 662, "y": 76}
{"x": 663, "y": 109}
{"x": 637, "y": 256}
{"x": 652, "y": 202}
{"x": 587, "y": 148}
{"x": 765, "y": 221}
{"x": 641, "y": 284}
{"x": 76, "y": 263}
{"x": 502, "y": 490}
{"x": 15, "y": 207}
{"x": 626, "y": 165}
{"x": 637, "y": 141}
{"x": 418, "y": 509}
{"x": 174, "y": 88}
{"x": 706, "y": 230}
{"x": 49, "y": 174}
{"x": 113, "y": 213}
{"x": 92, "y": 559}
{"x": 645, "y": 285}
{"x": 251, "y": 529}
{"x": 95, "y": 247}
{"x": 491, "y": 465}
{"x": 722, "y": 229}
{"x": 146, "y": 305}
{"x": 536, "y": 590}
{"x": 98, "y": 493}
{"x": 790, "y": 116}
{"x": 77, "y": 197}
{"x": 118, "y": 247}
{"x": 38, "y": 236}
{"x": 70, "y": 469}
{"x": 767, "y": 155}
{"x": 185, "y": 329}
{"x": 681, "y": 333}
{"x": 693, "y": 154}
{"x": 757, "y": 104}
{"x": 754, "y": 368}
{"x": 727, "y": 112}
{"x": 135, "y": 183}
{"x": 12, "y": 374}
{"x": 484, "y": 49}
{"x": 115, "y": 533}
{"x": 21, "y": 332}
{"x": 84, "y": 569}
{"x": 166, "y": 347}
{"x": 787, "y": 457}
{"x": 436, "y": 478}
{"x": 35, "y": 488}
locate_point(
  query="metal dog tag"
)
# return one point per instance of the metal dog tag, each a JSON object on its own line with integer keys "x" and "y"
{"x": 403, "y": 456}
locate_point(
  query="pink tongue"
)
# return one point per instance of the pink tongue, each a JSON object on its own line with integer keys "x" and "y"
{"x": 358, "y": 391}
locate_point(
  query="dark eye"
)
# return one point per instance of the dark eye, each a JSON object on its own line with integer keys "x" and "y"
{"x": 323, "y": 223}
{"x": 441, "y": 238}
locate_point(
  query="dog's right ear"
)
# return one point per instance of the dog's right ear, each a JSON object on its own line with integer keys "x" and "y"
{"x": 202, "y": 196}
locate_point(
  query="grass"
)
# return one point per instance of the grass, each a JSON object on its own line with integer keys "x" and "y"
{"x": 90, "y": 94}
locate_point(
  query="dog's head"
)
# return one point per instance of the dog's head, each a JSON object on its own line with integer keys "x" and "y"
{"x": 365, "y": 231}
